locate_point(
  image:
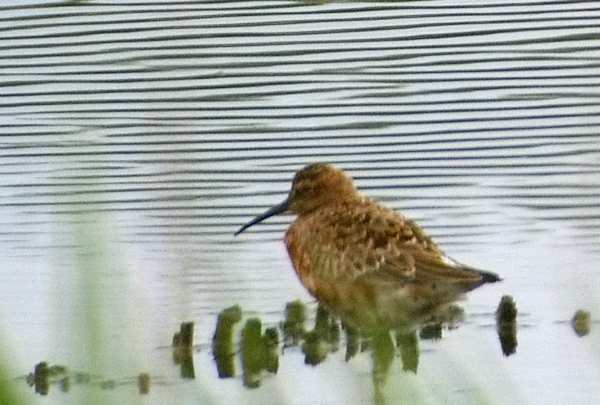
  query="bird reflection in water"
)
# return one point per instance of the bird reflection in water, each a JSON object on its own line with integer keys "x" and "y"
{"x": 374, "y": 268}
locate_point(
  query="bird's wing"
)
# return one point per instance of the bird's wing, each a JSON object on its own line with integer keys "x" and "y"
{"x": 432, "y": 269}
{"x": 351, "y": 243}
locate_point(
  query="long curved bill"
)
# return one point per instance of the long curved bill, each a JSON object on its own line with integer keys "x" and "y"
{"x": 278, "y": 209}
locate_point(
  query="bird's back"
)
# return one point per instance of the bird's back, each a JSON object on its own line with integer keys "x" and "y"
{"x": 360, "y": 253}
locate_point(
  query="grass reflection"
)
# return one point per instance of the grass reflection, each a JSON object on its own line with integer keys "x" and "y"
{"x": 183, "y": 346}
{"x": 223, "y": 344}
{"x": 259, "y": 349}
{"x": 259, "y": 352}
{"x": 506, "y": 324}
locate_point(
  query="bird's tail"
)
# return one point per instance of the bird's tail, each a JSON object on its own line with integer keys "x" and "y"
{"x": 489, "y": 277}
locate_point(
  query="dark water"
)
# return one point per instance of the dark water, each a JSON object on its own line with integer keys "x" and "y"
{"x": 137, "y": 137}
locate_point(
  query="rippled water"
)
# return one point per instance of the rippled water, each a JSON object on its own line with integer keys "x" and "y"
{"x": 136, "y": 137}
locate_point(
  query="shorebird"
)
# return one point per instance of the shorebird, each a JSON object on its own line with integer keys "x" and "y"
{"x": 370, "y": 265}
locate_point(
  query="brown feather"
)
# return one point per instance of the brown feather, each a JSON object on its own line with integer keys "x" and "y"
{"x": 364, "y": 261}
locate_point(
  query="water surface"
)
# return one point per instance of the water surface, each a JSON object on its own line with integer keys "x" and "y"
{"x": 138, "y": 136}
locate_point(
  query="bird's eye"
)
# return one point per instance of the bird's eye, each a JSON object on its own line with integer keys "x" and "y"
{"x": 305, "y": 189}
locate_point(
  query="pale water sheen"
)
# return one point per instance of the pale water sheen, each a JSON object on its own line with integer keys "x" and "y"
{"x": 137, "y": 137}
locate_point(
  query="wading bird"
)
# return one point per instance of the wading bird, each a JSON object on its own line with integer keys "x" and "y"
{"x": 371, "y": 266}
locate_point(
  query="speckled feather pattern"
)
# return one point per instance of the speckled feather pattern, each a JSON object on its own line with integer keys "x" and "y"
{"x": 364, "y": 261}
{"x": 356, "y": 238}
